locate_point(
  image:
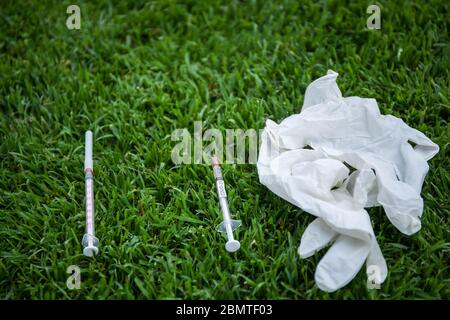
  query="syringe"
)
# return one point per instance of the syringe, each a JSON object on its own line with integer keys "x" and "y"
{"x": 228, "y": 225}
{"x": 90, "y": 242}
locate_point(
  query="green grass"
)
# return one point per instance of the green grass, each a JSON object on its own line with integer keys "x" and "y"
{"x": 135, "y": 72}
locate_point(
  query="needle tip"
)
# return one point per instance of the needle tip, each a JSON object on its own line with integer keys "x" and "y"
{"x": 214, "y": 161}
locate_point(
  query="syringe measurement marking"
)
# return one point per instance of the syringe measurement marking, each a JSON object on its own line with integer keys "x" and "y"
{"x": 89, "y": 205}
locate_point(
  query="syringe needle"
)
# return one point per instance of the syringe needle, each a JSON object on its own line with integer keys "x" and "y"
{"x": 228, "y": 225}
{"x": 90, "y": 242}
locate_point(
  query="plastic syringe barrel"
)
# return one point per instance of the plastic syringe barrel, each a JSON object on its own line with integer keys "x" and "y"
{"x": 222, "y": 194}
{"x": 89, "y": 178}
{"x": 90, "y": 228}
{"x": 90, "y": 242}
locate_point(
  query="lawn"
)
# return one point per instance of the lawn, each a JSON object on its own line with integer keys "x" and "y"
{"x": 135, "y": 72}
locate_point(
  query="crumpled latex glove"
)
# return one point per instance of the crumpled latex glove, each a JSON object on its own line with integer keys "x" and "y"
{"x": 307, "y": 160}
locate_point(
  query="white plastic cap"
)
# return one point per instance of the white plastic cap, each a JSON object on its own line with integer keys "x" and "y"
{"x": 88, "y": 162}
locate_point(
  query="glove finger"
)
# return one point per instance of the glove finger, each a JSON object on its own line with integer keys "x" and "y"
{"x": 316, "y": 236}
{"x": 376, "y": 267}
{"x": 341, "y": 263}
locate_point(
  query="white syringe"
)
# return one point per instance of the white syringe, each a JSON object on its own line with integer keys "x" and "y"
{"x": 90, "y": 242}
{"x": 228, "y": 224}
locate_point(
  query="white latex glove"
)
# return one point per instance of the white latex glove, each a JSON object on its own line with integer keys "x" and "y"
{"x": 389, "y": 172}
{"x": 347, "y": 255}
